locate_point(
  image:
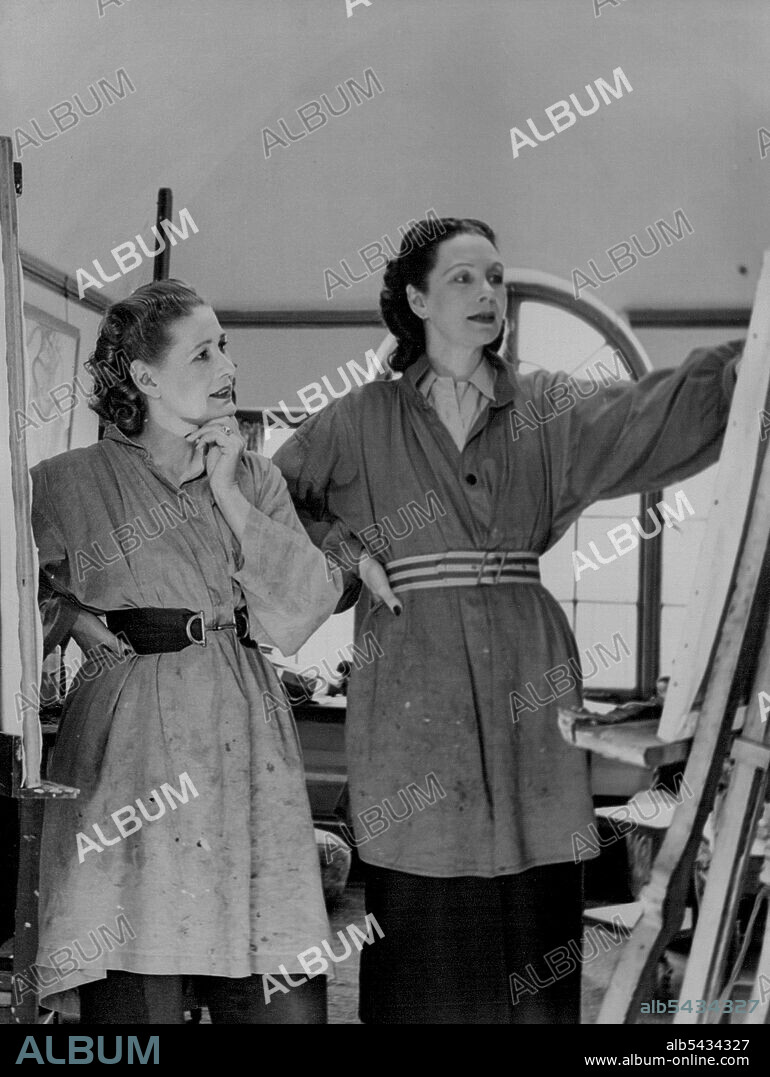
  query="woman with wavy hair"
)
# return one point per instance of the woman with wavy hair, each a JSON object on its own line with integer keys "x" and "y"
{"x": 190, "y": 850}
{"x": 464, "y": 795}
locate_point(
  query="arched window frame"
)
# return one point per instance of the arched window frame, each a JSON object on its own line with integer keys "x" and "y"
{"x": 526, "y": 285}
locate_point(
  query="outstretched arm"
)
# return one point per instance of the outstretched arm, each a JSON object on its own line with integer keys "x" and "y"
{"x": 631, "y": 437}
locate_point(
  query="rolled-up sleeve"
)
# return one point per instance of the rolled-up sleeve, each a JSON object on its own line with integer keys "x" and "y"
{"x": 318, "y": 457}
{"x": 289, "y": 589}
{"x": 634, "y": 437}
{"x": 58, "y": 609}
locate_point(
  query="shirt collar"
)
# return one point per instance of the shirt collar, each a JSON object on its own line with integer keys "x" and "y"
{"x": 482, "y": 378}
{"x": 493, "y": 377}
{"x": 112, "y": 433}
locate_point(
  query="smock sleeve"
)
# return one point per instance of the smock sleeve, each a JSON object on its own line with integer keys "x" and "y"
{"x": 320, "y": 464}
{"x": 289, "y": 589}
{"x": 639, "y": 436}
{"x": 58, "y": 608}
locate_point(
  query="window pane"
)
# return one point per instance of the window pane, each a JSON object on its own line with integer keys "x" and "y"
{"x": 556, "y": 569}
{"x": 603, "y": 601}
{"x": 606, "y": 635}
{"x": 569, "y": 609}
{"x": 617, "y": 581}
{"x": 554, "y": 339}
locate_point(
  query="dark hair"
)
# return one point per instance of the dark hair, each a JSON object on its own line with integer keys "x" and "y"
{"x": 134, "y": 328}
{"x": 412, "y": 264}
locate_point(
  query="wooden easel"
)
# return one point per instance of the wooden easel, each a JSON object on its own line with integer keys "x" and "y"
{"x": 739, "y": 667}
{"x": 24, "y": 783}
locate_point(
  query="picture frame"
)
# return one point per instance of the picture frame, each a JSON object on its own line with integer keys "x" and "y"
{"x": 52, "y": 369}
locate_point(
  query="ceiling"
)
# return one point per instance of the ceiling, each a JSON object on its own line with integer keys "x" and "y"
{"x": 210, "y": 75}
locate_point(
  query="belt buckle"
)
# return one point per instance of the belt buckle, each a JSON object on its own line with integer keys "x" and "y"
{"x": 196, "y": 617}
{"x": 479, "y": 574}
{"x": 491, "y": 555}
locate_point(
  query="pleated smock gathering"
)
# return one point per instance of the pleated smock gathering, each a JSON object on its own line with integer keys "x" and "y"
{"x": 210, "y": 867}
{"x": 429, "y": 704}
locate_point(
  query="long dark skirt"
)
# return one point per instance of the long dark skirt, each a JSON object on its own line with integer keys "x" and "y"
{"x": 473, "y": 951}
{"x": 136, "y": 998}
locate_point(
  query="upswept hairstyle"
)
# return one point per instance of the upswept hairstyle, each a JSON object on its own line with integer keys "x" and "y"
{"x": 414, "y": 261}
{"x": 134, "y": 328}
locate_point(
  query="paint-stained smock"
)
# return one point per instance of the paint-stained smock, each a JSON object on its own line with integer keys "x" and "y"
{"x": 227, "y": 883}
{"x": 437, "y": 701}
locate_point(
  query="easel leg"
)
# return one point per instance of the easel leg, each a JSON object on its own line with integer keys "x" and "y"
{"x": 761, "y": 990}
{"x": 25, "y": 1011}
{"x": 737, "y": 825}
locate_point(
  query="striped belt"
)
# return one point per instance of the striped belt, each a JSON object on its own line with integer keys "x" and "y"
{"x": 462, "y": 568}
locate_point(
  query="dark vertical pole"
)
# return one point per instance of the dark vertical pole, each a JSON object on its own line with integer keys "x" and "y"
{"x": 24, "y": 1001}
{"x": 649, "y": 613}
{"x": 163, "y": 259}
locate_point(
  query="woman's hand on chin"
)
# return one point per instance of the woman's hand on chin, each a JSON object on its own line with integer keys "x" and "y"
{"x": 223, "y": 446}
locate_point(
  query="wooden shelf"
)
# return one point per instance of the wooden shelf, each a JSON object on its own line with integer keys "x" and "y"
{"x": 634, "y": 742}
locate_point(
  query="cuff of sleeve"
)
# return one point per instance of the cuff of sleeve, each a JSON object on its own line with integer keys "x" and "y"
{"x": 345, "y": 555}
{"x": 351, "y": 592}
{"x": 285, "y": 581}
{"x": 731, "y": 368}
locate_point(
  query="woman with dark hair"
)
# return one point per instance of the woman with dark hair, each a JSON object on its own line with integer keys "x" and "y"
{"x": 476, "y": 893}
{"x": 190, "y": 850}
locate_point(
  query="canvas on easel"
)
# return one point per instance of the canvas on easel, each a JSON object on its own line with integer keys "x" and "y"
{"x": 725, "y": 526}
{"x": 735, "y": 667}
{"x": 20, "y": 629}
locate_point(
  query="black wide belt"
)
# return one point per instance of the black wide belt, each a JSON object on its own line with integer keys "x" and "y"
{"x": 155, "y": 631}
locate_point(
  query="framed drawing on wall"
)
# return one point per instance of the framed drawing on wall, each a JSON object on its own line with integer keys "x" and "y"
{"x": 52, "y": 347}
